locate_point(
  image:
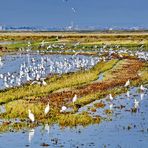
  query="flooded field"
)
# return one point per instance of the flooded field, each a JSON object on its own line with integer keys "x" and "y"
{"x": 73, "y": 95}
{"x": 73, "y": 74}
{"x": 122, "y": 128}
{"x": 17, "y": 69}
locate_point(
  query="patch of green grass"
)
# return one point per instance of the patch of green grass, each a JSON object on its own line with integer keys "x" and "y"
{"x": 19, "y": 110}
{"x": 12, "y": 127}
{"x": 77, "y": 119}
{"x": 87, "y": 40}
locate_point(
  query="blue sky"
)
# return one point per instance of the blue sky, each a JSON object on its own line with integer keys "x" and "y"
{"x": 100, "y": 13}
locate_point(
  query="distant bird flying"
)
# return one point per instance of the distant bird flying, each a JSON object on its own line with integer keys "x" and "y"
{"x": 73, "y": 9}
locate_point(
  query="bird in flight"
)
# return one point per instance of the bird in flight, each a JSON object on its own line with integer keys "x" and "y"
{"x": 73, "y": 9}
{"x": 65, "y": 0}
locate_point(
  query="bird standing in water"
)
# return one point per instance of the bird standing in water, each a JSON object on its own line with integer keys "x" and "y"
{"x": 142, "y": 88}
{"x": 110, "y": 96}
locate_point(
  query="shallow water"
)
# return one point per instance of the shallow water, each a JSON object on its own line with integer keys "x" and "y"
{"x": 17, "y": 67}
{"x": 2, "y": 109}
{"x": 125, "y": 129}
{"x": 100, "y": 78}
{"x": 7, "y": 42}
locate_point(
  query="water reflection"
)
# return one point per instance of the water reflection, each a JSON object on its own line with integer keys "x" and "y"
{"x": 128, "y": 94}
{"x": 141, "y": 96}
{"x": 31, "y": 135}
{"x": 47, "y": 128}
{"x": 2, "y": 109}
{"x": 126, "y": 128}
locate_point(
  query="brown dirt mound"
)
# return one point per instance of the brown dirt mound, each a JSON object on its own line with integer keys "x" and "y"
{"x": 119, "y": 75}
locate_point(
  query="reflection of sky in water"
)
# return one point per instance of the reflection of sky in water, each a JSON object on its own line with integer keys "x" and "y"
{"x": 113, "y": 133}
{"x": 2, "y": 109}
{"x": 12, "y": 63}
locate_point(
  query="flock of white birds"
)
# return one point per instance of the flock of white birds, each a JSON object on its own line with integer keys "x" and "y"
{"x": 36, "y": 70}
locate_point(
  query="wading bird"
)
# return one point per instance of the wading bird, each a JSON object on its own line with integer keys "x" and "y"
{"x": 128, "y": 94}
{"x": 142, "y": 88}
{"x": 74, "y": 98}
{"x": 110, "y": 96}
{"x": 47, "y": 108}
{"x": 1, "y": 63}
{"x": 127, "y": 83}
{"x": 43, "y": 82}
{"x": 31, "y": 115}
{"x": 63, "y": 109}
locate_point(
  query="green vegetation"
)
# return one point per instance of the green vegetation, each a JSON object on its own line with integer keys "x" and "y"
{"x": 61, "y": 89}
{"x": 87, "y": 40}
{"x": 55, "y": 83}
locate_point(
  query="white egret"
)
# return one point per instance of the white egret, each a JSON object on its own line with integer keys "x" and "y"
{"x": 43, "y": 82}
{"x": 1, "y": 76}
{"x": 31, "y": 115}
{"x": 29, "y": 44}
{"x": 42, "y": 43}
{"x": 142, "y": 88}
{"x": 63, "y": 108}
{"x": 128, "y": 94}
{"x": 36, "y": 82}
{"x": 127, "y": 83}
{"x": 6, "y": 84}
{"x": 1, "y": 63}
{"x": 74, "y": 98}
{"x": 110, "y": 96}
{"x": 47, "y": 108}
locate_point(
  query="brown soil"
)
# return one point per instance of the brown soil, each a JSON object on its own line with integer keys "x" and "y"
{"x": 119, "y": 75}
